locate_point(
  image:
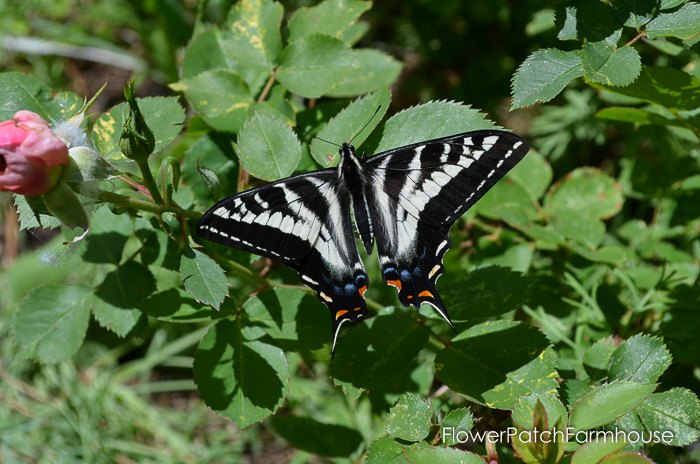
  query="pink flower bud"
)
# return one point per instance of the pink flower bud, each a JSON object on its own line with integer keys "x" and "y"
{"x": 31, "y": 156}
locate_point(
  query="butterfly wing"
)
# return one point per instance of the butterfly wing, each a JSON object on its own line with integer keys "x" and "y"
{"x": 419, "y": 191}
{"x": 304, "y": 222}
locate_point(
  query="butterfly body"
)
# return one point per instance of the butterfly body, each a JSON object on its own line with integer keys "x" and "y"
{"x": 405, "y": 200}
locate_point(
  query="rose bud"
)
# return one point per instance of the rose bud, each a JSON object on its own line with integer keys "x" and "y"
{"x": 31, "y": 156}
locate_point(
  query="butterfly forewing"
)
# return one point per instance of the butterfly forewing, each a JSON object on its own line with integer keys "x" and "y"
{"x": 304, "y": 222}
{"x": 419, "y": 191}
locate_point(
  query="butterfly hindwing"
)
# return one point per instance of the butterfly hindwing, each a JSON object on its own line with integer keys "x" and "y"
{"x": 304, "y": 222}
{"x": 419, "y": 191}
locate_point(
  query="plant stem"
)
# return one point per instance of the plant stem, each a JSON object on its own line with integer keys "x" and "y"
{"x": 268, "y": 86}
{"x": 149, "y": 181}
{"x": 145, "y": 205}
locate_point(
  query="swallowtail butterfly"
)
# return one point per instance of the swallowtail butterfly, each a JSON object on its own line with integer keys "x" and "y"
{"x": 406, "y": 199}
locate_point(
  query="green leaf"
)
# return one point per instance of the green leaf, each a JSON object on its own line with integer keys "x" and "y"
{"x": 533, "y": 173}
{"x": 255, "y": 27}
{"x": 668, "y": 87}
{"x": 608, "y": 402}
{"x": 431, "y": 120}
{"x": 596, "y": 359}
{"x": 586, "y": 230}
{"x": 583, "y": 20}
{"x": 376, "y": 70}
{"x": 483, "y": 293}
{"x": 409, "y": 418}
{"x": 525, "y": 410}
{"x": 203, "y": 278}
{"x": 313, "y": 65}
{"x": 609, "y": 65}
{"x": 640, "y": 359}
{"x": 315, "y": 437}
{"x": 245, "y": 381}
{"x": 51, "y": 322}
{"x": 86, "y": 166}
{"x": 23, "y": 92}
{"x": 346, "y": 125}
{"x": 380, "y": 351}
{"x": 456, "y": 421}
{"x": 635, "y": 13}
{"x": 117, "y": 297}
{"x": 683, "y": 23}
{"x": 220, "y": 96}
{"x": 585, "y": 192}
{"x": 637, "y": 116}
{"x": 478, "y": 365}
{"x": 267, "y": 147}
{"x": 330, "y": 17}
{"x": 594, "y": 451}
{"x": 676, "y": 410}
{"x": 626, "y": 457}
{"x": 216, "y": 49}
{"x": 543, "y": 75}
{"x": 214, "y": 152}
{"x": 33, "y": 213}
{"x": 291, "y": 316}
{"x": 508, "y": 201}
{"x": 384, "y": 450}
{"x": 164, "y": 117}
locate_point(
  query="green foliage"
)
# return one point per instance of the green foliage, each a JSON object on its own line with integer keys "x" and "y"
{"x": 573, "y": 283}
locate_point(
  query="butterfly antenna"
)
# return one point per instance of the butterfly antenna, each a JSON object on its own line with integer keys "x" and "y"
{"x": 317, "y": 137}
{"x": 366, "y": 124}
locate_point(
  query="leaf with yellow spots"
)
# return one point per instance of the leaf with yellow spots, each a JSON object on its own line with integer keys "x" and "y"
{"x": 330, "y": 17}
{"x": 255, "y": 25}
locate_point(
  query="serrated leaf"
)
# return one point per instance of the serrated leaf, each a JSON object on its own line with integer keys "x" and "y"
{"x": 457, "y": 421}
{"x": 315, "y": 437}
{"x": 267, "y": 147}
{"x": 594, "y": 451}
{"x": 33, "y": 213}
{"x": 641, "y": 359}
{"x": 203, "y": 278}
{"x": 409, "y": 418}
{"x": 368, "y": 355}
{"x": 117, "y": 297}
{"x": 346, "y": 125}
{"x": 255, "y": 27}
{"x": 635, "y": 13}
{"x": 430, "y": 121}
{"x": 477, "y": 364}
{"x": 288, "y": 315}
{"x": 24, "y": 92}
{"x": 385, "y": 450}
{"x": 216, "y": 49}
{"x": 51, "y": 322}
{"x": 608, "y": 402}
{"x": 583, "y": 20}
{"x": 676, "y": 410}
{"x": 524, "y": 411}
{"x": 245, "y": 381}
{"x": 609, "y": 65}
{"x": 330, "y": 17}
{"x": 483, "y": 293}
{"x": 376, "y": 70}
{"x": 163, "y": 115}
{"x": 668, "y": 87}
{"x": 596, "y": 359}
{"x": 313, "y": 65}
{"x": 220, "y": 96}
{"x": 543, "y": 75}
{"x": 683, "y": 23}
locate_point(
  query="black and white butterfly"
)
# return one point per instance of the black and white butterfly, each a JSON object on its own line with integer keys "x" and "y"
{"x": 406, "y": 199}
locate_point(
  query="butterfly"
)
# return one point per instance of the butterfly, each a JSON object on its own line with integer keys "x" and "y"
{"x": 406, "y": 199}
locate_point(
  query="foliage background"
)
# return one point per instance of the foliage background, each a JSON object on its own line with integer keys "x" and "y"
{"x": 590, "y": 243}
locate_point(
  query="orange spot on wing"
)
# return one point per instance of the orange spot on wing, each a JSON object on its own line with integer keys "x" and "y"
{"x": 359, "y": 308}
{"x": 340, "y": 313}
{"x": 409, "y": 297}
{"x": 426, "y": 293}
{"x": 362, "y": 290}
{"x": 394, "y": 283}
